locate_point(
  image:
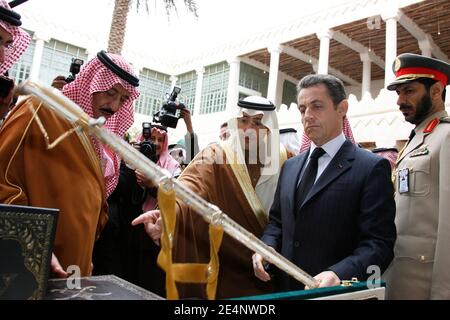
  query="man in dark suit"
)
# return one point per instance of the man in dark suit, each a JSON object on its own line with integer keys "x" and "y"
{"x": 333, "y": 211}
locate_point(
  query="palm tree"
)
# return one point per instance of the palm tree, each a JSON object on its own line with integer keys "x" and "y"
{"x": 120, "y": 15}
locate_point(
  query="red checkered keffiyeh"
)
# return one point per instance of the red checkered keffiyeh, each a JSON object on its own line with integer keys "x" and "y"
{"x": 21, "y": 41}
{"x": 96, "y": 77}
{"x": 345, "y": 128}
{"x": 390, "y": 155}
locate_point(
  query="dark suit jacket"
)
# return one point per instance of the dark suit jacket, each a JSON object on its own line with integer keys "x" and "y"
{"x": 346, "y": 222}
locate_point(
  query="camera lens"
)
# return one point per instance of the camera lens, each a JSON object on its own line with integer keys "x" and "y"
{"x": 148, "y": 149}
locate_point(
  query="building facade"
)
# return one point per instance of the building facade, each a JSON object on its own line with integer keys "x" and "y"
{"x": 357, "y": 42}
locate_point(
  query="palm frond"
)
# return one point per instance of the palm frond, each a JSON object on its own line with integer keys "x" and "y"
{"x": 192, "y": 6}
{"x": 139, "y": 2}
{"x": 169, "y": 5}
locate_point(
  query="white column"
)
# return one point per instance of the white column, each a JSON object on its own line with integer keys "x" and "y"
{"x": 366, "y": 75}
{"x": 324, "y": 37}
{"x": 37, "y": 56}
{"x": 233, "y": 82}
{"x": 279, "y": 94}
{"x": 390, "y": 16}
{"x": 198, "y": 91}
{"x": 173, "y": 82}
{"x": 274, "y": 51}
{"x": 425, "y": 46}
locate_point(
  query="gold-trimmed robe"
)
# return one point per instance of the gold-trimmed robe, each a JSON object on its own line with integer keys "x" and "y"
{"x": 67, "y": 177}
{"x": 216, "y": 183}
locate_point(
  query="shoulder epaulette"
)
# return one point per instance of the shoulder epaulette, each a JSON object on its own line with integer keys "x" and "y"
{"x": 431, "y": 125}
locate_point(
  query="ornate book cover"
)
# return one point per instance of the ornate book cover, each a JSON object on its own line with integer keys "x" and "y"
{"x": 26, "y": 245}
{"x": 107, "y": 287}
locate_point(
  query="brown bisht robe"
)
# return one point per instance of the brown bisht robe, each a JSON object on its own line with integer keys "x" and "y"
{"x": 216, "y": 184}
{"x": 67, "y": 177}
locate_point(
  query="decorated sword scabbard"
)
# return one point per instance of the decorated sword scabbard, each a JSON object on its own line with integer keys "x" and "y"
{"x": 67, "y": 109}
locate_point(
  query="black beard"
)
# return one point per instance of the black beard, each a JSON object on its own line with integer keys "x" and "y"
{"x": 423, "y": 109}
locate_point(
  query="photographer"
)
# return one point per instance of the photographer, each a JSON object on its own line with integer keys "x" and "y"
{"x": 168, "y": 118}
{"x": 60, "y": 81}
{"x": 124, "y": 250}
{"x": 13, "y": 43}
{"x": 164, "y": 160}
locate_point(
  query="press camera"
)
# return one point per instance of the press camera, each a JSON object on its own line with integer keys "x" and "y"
{"x": 75, "y": 67}
{"x": 147, "y": 147}
{"x": 167, "y": 115}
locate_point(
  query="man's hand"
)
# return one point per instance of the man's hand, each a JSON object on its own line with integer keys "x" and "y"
{"x": 56, "y": 269}
{"x": 185, "y": 113}
{"x": 327, "y": 279}
{"x": 142, "y": 180}
{"x": 59, "y": 82}
{"x": 258, "y": 267}
{"x": 152, "y": 224}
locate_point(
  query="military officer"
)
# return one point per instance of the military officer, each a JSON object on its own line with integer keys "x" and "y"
{"x": 420, "y": 269}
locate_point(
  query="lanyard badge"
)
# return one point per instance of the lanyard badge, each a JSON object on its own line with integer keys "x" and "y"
{"x": 403, "y": 180}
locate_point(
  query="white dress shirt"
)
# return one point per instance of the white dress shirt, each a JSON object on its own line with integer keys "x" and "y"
{"x": 330, "y": 148}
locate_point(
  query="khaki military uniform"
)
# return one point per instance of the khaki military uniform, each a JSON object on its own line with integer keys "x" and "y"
{"x": 421, "y": 266}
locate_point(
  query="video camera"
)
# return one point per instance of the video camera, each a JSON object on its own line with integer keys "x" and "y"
{"x": 147, "y": 147}
{"x": 75, "y": 67}
{"x": 167, "y": 115}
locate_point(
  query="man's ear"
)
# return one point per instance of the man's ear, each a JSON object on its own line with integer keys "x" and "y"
{"x": 342, "y": 107}
{"x": 436, "y": 90}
